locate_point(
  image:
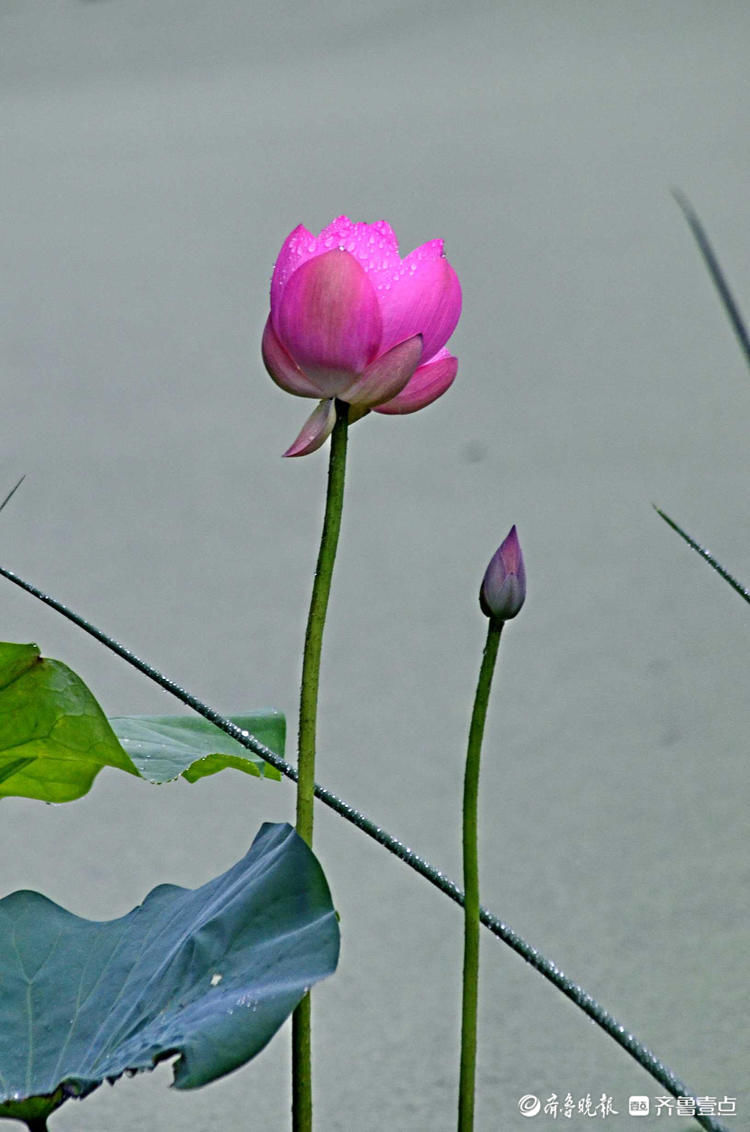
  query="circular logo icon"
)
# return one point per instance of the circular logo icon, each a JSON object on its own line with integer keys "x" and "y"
{"x": 529, "y": 1105}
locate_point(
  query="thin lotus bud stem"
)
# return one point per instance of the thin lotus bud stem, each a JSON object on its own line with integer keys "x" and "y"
{"x": 470, "y": 997}
{"x": 308, "y": 716}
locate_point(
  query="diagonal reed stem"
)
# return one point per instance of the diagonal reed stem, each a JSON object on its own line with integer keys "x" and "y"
{"x": 705, "y": 554}
{"x": 715, "y": 271}
{"x": 597, "y": 1013}
{"x": 12, "y": 492}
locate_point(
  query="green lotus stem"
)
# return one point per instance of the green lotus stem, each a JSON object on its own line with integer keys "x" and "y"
{"x": 470, "y": 995}
{"x": 308, "y": 716}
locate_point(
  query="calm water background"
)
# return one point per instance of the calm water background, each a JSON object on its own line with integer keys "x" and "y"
{"x": 155, "y": 153}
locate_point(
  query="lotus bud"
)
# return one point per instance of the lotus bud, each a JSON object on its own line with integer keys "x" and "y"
{"x": 503, "y": 589}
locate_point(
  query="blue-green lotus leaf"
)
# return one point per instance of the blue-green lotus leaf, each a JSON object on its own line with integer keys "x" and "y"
{"x": 165, "y": 746}
{"x": 208, "y": 974}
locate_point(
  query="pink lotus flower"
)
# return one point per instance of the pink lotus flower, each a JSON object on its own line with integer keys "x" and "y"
{"x": 503, "y": 589}
{"x": 352, "y": 320}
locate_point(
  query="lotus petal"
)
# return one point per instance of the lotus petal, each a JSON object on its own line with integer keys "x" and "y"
{"x": 315, "y": 431}
{"x": 329, "y": 320}
{"x": 428, "y": 383}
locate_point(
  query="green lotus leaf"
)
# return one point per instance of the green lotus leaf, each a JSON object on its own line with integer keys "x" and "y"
{"x": 54, "y": 737}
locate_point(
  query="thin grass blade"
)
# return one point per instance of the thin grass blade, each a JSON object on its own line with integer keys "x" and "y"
{"x": 712, "y": 263}
{"x": 12, "y": 492}
{"x": 705, "y": 554}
